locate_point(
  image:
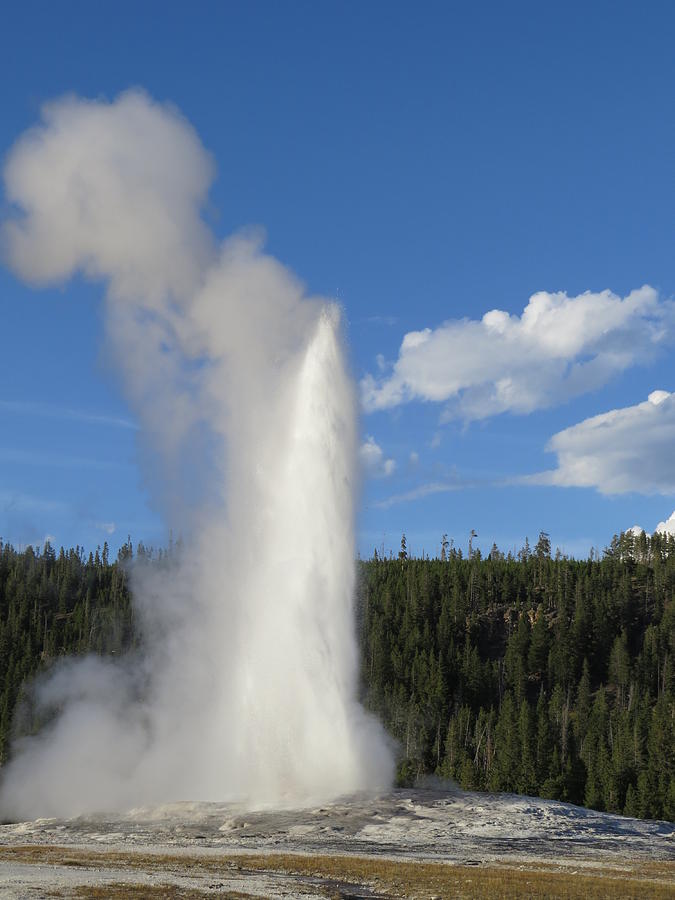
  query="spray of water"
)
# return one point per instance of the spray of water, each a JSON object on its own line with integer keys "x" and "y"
{"x": 247, "y": 683}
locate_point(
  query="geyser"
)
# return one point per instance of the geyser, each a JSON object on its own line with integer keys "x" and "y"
{"x": 246, "y": 688}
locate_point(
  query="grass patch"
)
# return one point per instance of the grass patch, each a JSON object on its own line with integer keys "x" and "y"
{"x": 124, "y": 891}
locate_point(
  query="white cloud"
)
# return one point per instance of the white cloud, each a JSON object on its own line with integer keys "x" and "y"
{"x": 667, "y": 527}
{"x": 629, "y": 449}
{"x": 414, "y": 458}
{"x": 560, "y": 347}
{"x": 108, "y": 527}
{"x": 373, "y": 459}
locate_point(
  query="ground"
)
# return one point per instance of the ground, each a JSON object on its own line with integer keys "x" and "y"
{"x": 407, "y": 843}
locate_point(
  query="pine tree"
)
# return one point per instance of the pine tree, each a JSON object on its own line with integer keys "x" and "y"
{"x": 527, "y": 776}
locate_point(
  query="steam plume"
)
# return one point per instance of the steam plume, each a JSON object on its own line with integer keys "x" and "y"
{"x": 247, "y": 686}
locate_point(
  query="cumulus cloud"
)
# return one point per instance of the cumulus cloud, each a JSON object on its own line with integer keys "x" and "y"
{"x": 629, "y": 449}
{"x": 373, "y": 459}
{"x": 560, "y": 347}
{"x": 667, "y": 527}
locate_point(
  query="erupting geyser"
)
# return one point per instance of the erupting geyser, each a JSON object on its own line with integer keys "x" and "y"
{"x": 246, "y": 688}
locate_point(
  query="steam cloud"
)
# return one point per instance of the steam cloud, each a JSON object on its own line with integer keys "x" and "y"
{"x": 247, "y": 685}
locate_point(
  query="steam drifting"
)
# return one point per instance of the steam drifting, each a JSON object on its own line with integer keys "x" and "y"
{"x": 246, "y": 689}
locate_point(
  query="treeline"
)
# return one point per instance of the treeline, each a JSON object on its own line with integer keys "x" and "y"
{"x": 53, "y": 605}
{"x": 546, "y": 676}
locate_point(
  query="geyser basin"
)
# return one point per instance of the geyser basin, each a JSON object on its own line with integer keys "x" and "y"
{"x": 207, "y": 846}
{"x": 246, "y": 689}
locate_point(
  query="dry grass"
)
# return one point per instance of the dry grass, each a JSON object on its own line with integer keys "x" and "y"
{"x": 384, "y": 877}
{"x": 122, "y": 891}
{"x": 426, "y": 879}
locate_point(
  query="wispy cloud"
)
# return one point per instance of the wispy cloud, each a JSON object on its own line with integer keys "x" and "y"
{"x": 47, "y": 411}
{"x": 108, "y": 527}
{"x": 418, "y": 493}
{"x": 36, "y": 542}
{"x": 36, "y": 458}
{"x": 381, "y": 320}
{"x": 15, "y": 501}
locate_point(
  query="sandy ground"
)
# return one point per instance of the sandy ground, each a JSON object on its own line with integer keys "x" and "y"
{"x": 453, "y": 827}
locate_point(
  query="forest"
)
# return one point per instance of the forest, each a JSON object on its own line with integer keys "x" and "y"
{"x": 529, "y": 672}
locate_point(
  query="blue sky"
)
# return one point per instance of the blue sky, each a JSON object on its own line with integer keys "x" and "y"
{"x": 425, "y": 164}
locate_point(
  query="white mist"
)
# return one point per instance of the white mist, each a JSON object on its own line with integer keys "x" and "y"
{"x": 246, "y": 689}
